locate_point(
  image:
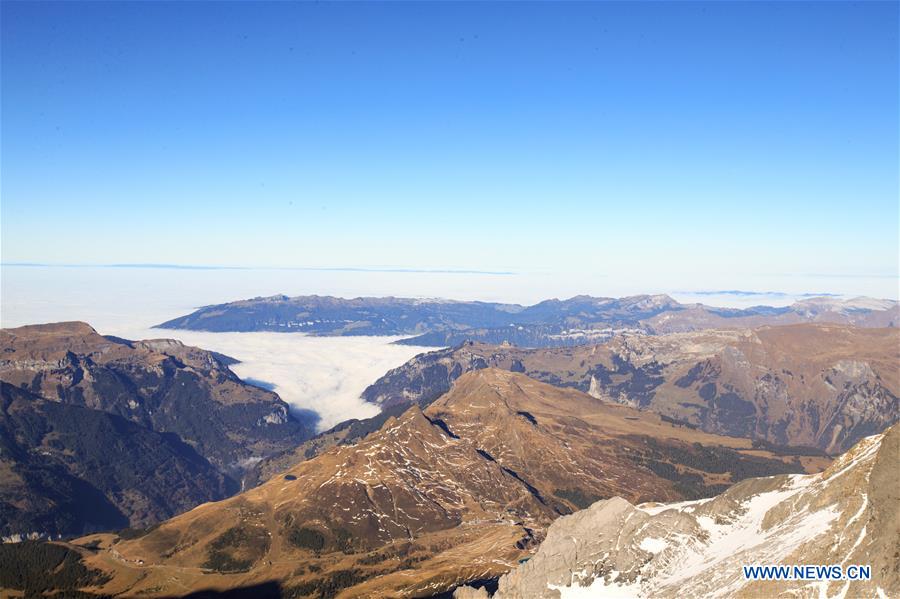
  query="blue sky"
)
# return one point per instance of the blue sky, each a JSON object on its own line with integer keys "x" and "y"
{"x": 699, "y": 139}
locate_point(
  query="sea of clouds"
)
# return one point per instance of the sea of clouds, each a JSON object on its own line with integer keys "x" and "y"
{"x": 322, "y": 374}
{"x": 326, "y": 374}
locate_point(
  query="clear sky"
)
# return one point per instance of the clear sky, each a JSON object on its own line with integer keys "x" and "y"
{"x": 694, "y": 138}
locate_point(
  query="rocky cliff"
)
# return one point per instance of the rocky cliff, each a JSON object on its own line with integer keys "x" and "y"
{"x": 847, "y": 515}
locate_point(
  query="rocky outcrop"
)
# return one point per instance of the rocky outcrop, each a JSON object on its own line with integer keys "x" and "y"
{"x": 847, "y": 515}
{"x": 428, "y": 376}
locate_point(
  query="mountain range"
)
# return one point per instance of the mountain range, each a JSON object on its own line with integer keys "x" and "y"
{"x": 579, "y": 320}
{"x": 817, "y": 385}
{"x": 456, "y": 492}
{"x": 649, "y": 465}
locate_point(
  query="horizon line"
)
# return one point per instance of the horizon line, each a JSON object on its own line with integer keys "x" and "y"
{"x": 164, "y": 266}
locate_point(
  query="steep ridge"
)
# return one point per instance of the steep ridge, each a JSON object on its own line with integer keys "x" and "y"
{"x": 160, "y": 384}
{"x": 434, "y": 498}
{"x": 576, "y": 321}
{"x": 70, "y": 470}
{"x": 823, "y": 386}
{"x": 848, "y": 515}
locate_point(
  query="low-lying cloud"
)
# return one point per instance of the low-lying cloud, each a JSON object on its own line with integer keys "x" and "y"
{"x": 322, "y": 374}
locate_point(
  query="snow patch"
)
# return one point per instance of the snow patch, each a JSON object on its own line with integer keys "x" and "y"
{"x": 653, "y": 545}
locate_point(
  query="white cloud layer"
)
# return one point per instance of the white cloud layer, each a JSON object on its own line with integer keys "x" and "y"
{"x": 323, "y": 374}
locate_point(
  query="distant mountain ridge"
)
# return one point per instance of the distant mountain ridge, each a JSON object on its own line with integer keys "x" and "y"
{"x": 812, "y": 387}
{"x": 575, "y": 321}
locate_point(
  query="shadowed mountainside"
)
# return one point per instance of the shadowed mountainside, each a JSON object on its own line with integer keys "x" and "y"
{"x": 69, "y": 470}
{"x": 160, "y": 384}
{"x": 101, "y": 433}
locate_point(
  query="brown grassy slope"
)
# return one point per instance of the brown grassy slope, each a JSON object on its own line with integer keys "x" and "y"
{"x": 434, "y": 498}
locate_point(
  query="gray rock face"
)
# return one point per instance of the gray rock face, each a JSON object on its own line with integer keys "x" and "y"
{"x": 846, "y": 515}
{"x": 470, "y": 593}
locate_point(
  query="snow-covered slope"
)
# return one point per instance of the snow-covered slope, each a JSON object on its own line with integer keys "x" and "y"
{"x": 847, "y": 515}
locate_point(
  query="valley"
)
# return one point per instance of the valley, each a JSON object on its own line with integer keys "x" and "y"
{"x": 67, "y": 470}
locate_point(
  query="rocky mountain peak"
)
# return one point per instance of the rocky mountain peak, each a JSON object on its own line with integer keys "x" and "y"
{"x": 846, "y": 515}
